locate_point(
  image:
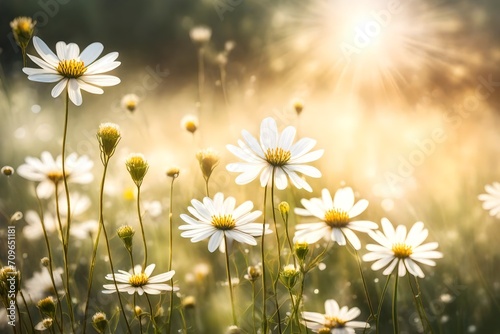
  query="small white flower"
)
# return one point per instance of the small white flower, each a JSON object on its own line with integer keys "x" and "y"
{"x": 398, "y": 248}
{"x": 40, "y": 284}
{"x": 274, "y": 153}
{"x": 337, "y": 320}
{"x": 49, "y": 173}
{"x": 33, "y": 229}
{"x": 129, "y": 102}
{"x": 491, "y": 200}
{"x": 73, "y": 70}
{"x": 336, "y": 218}
{"x": 216, "y": 218}
{"x": 140, "y": 281}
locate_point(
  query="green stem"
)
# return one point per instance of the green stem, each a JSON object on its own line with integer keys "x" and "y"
{"x": 49, "y": 253}
{"x": 142, "y": 228}
{"x": 230, "y": 283}
{"x": 384, "y": 290}
{"x": 170, "y": 258}
{"x": 26, "y": 307}
{"x": 108, "y": 248}
{"x": 65, "y": 240}
{"x": 395, "y": 306}
{"x": 275, "y": 284}
{"x": 365, "y": 286}
{"x": 417, "y": 295}
{"x": 206, "y": 188}
{"x": 263, "y": 259}
{"x": 254, "y": 292}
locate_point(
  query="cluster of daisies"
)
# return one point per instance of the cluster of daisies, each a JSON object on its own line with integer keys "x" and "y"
{"x": 275, "y": 158}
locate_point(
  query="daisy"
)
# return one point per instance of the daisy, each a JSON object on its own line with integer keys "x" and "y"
{"x": 40, "y": 284}
{"x": 335, "y": 218}
{"x": 49, "y": 173}
{"x": 218, "y": 218}
{"x": 73, "y": 70}
{"x": 275, "y": 153}
{"x": 33, "y": 229}
{"x": 491, "y": 200}
{"x": 336, "y": 320}
{"x": 398, "y": 248}
{"x": 140, "y": 281}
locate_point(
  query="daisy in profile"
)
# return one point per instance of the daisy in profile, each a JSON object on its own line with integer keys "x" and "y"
{"x": 218, "y": 219}
{"x": 397, "y": 248}
{"x": 73, "y": 71}
{"x": 491, "y": 200}
{"x": 140, "y": 281}
{"x": 274, "y": 154}
{"x": 335, "y": 217}
{"x": 335, "y": 320}
{"x": 48, "y": 171}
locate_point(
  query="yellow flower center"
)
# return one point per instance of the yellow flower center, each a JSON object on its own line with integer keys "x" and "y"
{"x": 224, "y": 222}
{"x": 336, "y": 218}
{"x": 334, "y": 322}
{"x": 55, "y": 176}
{"x": 131, "y": 105}
{"x": 277, "y": 156}
{"x": 71, "y": 68}
{"x": 138, "y": 280}
{"x": 401, "y": 250}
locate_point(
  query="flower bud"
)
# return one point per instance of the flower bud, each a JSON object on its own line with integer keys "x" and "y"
{"x": 45, "y": 261}
{"x": 200, "y": 34}
{"x": 47, "y": 306}
{"x": 208, "y": 159}
{"x": 7, "y": 171}
{"x": 108, "y": 136}
{"x": 253, "y": 273}
{"x": 298, "y": 105}
{"x": 173, "y": 172}
{"x": 284, "y": 208}
{"x": 190, "y": 123}
{"x": 289, "y": 275}
{"x": 137, "y": 166}
{"x": 233, "y": 330}
{"x": 126, "y": 233}
{"x": 100, "y": 322}
{"x": 188, "y": 302}
{"x": 130, "y": 102}
{"x": 301, "y": 248}
{"x": 22, "y": 28}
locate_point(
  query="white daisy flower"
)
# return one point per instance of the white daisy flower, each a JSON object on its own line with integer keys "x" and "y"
{"x": 140, "y": 281}
{"x": 33, "y": 229}
{"x": 491, "y": 200}
{"x": 73, "y": 70}
{"x": 336, "y": 218}
{"x": 337, "y": 320}
{"x": 49, "y": 173}
{"x": 40, "y": 284}
{"x": 216, "y": 218}
{"x": 276, "y": 153}
{"x": 398, "y": 248}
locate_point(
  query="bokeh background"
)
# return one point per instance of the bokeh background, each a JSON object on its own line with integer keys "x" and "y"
{"x": 402, "y": 95}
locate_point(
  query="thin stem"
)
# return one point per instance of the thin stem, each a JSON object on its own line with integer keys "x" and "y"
{"x": 26, "y": 307}
{"x": 170, "y": 258}
{"x": 417, "y": 295}
{"x": 384, "y": 290}
{"x": 263, "y": 259}
{"x": 108, "y": 248}
{"x": 206, "y": 188}
{"x": 151, "y": 315}
{"x": 50, "y": 267}
{"x": 65, "y": 240}
{"x": 142, "y": 228}
{"x": 230, "y": 283}
{"x": 254, "y": 292}
{"x": 94, "y": 251}
{"x": 275, "y": 284}
{"x": 138, "y": 315}
{"x": 23, "y": 51}
{"x": 395, "y": 306}
{"x": 290, "y": 242}
{"x": 365, "y": 286}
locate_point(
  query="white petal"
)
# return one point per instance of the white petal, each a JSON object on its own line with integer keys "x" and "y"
{"x": 353, "y": 239}
{"x": 100, "y": 80}
{"x": 44, "y": 52}
{"x": 268, "y": 133}
{"x": 58, "y": 89}
{"x": 101, "y": 65}
{"x": 358, "y": 208}
{"x": 72, "y": 51}
{"x": 91, "y": 52}
{"x": 89, "y": 88}
{"x": 74, "y": 93}
{"x": 286, "y": 139}
{"x": 344, "y": 199}
{"x": 215, "y": 241}
{"x": 45, "y": 77}
{"x": 61, "y": 50}
{"x": 43, "y": 64}
{"x": 331, "y": 307}
{"x": 280, "y": 179}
